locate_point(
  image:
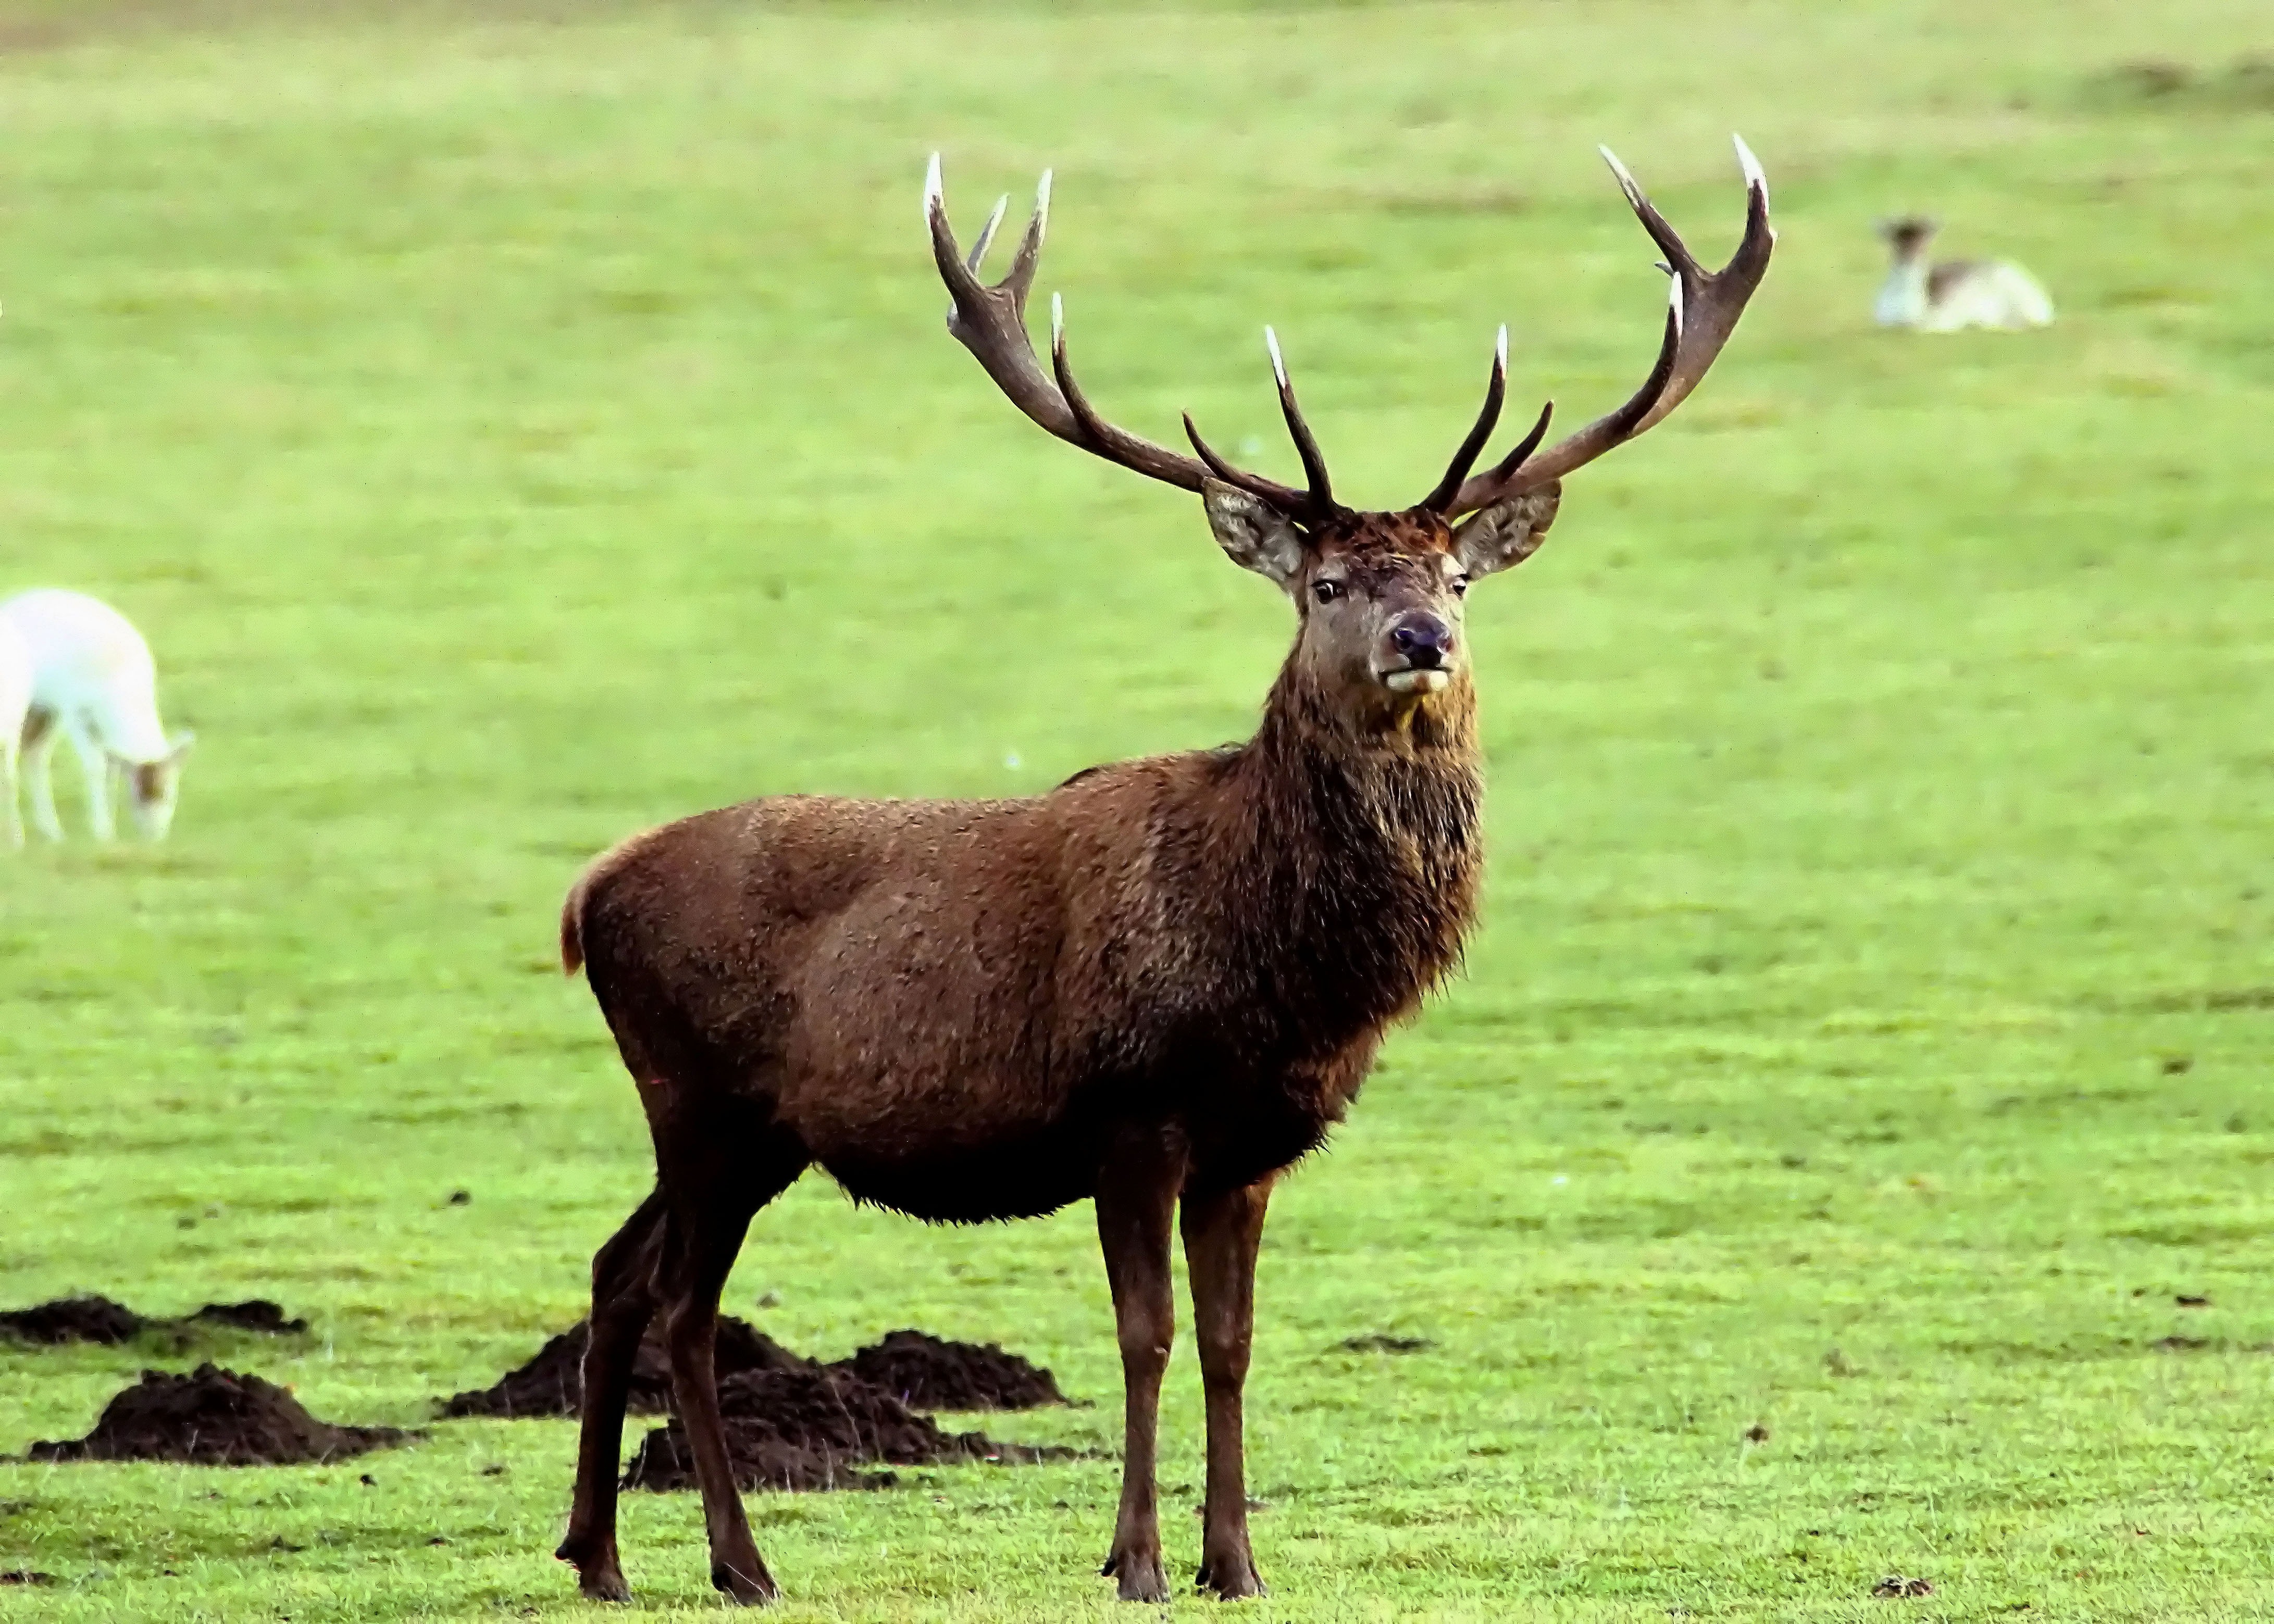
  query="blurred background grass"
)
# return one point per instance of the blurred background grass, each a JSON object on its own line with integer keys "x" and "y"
{"x": 515, "y": 425}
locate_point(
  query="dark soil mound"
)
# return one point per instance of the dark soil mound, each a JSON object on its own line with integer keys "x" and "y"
{"x": 924, "y": 1373}
{"x": 553, "y": 1383}
{"x": 99, "y": 1319}
{"x": 810, "y": 1428}
{"x": 213, "y": 1418}
{"x": 1378, "y": 1342}
{"x": 253, "y": 1314}
{"x": 73, "y": 1320}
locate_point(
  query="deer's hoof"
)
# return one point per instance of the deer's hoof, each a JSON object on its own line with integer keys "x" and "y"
{"x": 1142, "y": 1575}
{"x": 1232, "y": 1577}
{"x": 599, "y": 1578}
{"x": 746, "y": 1582}
{"x": 604, "y": 1587}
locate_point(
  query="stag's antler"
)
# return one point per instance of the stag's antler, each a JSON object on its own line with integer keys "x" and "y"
{"x": 992, "y": 323}
{"x": 1702, "y": 310}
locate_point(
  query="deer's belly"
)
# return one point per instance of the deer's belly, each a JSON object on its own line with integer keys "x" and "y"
{"x": 1020, "y": 1174}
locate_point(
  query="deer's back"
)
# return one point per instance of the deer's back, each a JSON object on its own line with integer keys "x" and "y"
{"x": 88, "y": 660}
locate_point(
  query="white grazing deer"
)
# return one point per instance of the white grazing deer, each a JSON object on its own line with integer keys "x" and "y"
{"x": 1955, "y": 294}
{"x": 15, "y": 705}
{"x": 93, "y": 681}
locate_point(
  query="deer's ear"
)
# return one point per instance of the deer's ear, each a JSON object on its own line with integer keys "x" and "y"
{"x": 1508, "y": 532}
{"x": 1253, "y": 533}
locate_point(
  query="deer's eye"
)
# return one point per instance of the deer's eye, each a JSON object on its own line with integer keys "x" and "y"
{"x": 1326, "y": 592}
{"x": 1460, "y": 586}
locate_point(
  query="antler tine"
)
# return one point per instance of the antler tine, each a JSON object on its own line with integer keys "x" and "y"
{"x": 1288, "y": 499}
{"x": 1321, "y": 495}
{"x": 1702, "y": 310}
{"x": 1669, "y": 240}
{"x": 972, "y": 260}
{"x": 1022, "y": 277}
{"x": 1120, "y": 446}
{"x": 1521, "y": 449}
{"x": 991, "y": 322}
{"x": 1487, "y": 419}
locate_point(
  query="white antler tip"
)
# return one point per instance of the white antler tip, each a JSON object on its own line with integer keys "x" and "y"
{"x": 1271, "y": 343}
{"x": 1754, "y": 174}
{"x": 1618, "y": 169}
{"x": 1057, "y": 320}
{"x": 1500, "y": 348}
{"x": 1674, "y": 300}
{"x": 1043, "y": 197}
{"x": 932, "y": 192}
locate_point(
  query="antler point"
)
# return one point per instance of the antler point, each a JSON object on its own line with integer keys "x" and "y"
{"x": 1271, "y": 343}
{"x": 1754, "y": 174}
{"x": 1627, "y": 183}
{"x": 933, "y": 193}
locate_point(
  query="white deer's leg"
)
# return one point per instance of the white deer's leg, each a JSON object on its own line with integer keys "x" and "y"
{"x": 94, "y": 768}
{"x": 39, "y": 789}
{"x": 11, "y": 820}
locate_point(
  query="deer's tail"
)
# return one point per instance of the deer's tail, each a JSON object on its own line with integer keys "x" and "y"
{"x": 572, "y": 925}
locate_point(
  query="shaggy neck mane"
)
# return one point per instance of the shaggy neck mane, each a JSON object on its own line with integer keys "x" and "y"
{"x": 1359, "y": 853}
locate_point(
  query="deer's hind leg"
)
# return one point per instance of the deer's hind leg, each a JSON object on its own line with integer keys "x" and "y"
{"x": 12, "y": 818}
{"x": 720, "y": 1159}
{"x": 624, "y": 1277}
{"x": 38, "y": 749}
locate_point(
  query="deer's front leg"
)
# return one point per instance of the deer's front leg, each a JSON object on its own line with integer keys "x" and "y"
{"x": 1135, "y": 1196}
{"x": 96, "y": 770}
{"x": 1221, "y": 1232}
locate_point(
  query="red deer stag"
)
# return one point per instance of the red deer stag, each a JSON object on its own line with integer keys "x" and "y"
{"x": 1156, "y": 986}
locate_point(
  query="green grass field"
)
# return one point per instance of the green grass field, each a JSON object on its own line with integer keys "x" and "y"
{"x": 516, "y": 425}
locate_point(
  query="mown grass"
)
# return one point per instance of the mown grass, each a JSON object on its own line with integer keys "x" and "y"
{"x": 517, "y": 426}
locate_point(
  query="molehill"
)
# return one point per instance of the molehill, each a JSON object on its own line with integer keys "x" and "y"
{"x": 213, "y": 1418}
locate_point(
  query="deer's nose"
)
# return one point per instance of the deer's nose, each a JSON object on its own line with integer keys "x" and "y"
{"x": 1423, "y": 639}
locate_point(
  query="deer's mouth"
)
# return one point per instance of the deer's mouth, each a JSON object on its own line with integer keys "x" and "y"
{"x": 1417, "y": 680}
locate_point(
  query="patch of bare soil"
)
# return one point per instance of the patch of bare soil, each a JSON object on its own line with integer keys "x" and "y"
{"x": 99, "y": 1319}
{"x": 1895, "y": 1585}
{"x": 812, "y": 1429}
{"x": 253, "y": 1314}
{"x": 553, "y": 1383}
{"x": 213, "y": 1418}
{"x": 1380, "y": 1343}
{"x": 925, "y": 1373}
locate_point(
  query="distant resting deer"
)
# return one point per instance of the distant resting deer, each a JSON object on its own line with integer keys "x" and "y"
{"x": 1156, "y": 986}
{"x": 1956, "y": 293}
{"x": 93, "y": 682}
